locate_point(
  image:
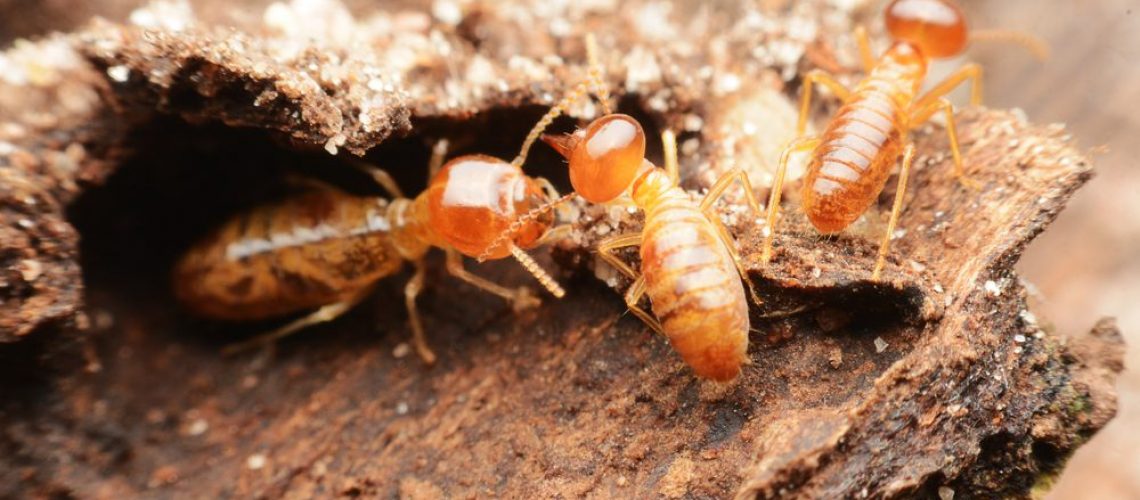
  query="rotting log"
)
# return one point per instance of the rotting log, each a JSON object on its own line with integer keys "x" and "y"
{"x": 936, "y": 379}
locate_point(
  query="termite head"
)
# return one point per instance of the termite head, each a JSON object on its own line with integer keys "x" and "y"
{"x": 476, "y": 198}
{"x": 604, "y": 157}
{"x": 936, "y": 27}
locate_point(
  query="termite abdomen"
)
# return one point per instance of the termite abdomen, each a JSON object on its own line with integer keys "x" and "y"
{"x": 300, "y": 253}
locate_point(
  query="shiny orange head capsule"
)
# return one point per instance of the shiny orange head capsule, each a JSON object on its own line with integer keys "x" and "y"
{"x": 604, "y": 157}
{"x": 936, "y": 27}
{"x": 475, "y": 198}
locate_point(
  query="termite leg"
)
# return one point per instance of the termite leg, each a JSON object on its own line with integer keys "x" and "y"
{"x": 971, "y": 72}
{"x": 555, "y": 234}
{"x": 411, "y": 291}
{"x": 384, "y": 179}
{"x": 637, "y": 289}
{"x": 716, "y": 192}
{"x": 811, "y": 79}
{"x": 607, "y": 246}
{"x": 721, "y": 186}
{"x": 633, "y": 297}
{"x": 323, "y": 315}
{"x": 379, "y": 176}
{"x": 730, "y": 244}
{"x": 565, "y": 211}
{"x": 520, "y": 298}
{"x": 920, "y": 116}
{"x": 865, "y": 53}
{"x": 672, "y": 166}
{"x": 1036, "y": 46}
{"x": 801, "y": 144}
{"x": 900, "y": 193}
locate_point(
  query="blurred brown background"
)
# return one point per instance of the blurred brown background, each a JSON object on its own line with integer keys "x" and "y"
{"x": 1086, "y": 266}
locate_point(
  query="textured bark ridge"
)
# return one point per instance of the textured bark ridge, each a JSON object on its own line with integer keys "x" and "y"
{"x": 936, "y": 379}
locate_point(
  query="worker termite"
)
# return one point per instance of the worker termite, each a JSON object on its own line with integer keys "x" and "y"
{"x": 326, "y": 249}
{"x": 689, "y": 265}
{"x": 689, "y": 269}
{"x": 851, "y": 161}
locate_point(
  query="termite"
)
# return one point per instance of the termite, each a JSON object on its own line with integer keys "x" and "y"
{"x": 326, "y": 249}
{"x": 851, "y": 161}
{"x": 690, "y": 268}
{"x": 689, "y": 264}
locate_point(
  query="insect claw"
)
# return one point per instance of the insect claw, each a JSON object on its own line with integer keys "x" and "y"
{"x": 525, "y": 299}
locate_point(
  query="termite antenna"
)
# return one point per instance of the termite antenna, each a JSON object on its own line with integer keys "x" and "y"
{"x": 576, "y": 93}
{"x": 601, "y": 90}
{"x": 1036, "y": 46}
{"x": 593, "y": 81}
{"x": 517, "y": 224}
{"x": 539, "y": 274}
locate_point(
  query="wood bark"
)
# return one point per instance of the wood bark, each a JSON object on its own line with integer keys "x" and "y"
{"x": 937, "y": 379}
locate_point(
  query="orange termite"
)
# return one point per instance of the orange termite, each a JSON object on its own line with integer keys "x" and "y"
{"x": 689, "y": 265}
{"x": 690, "y": 268}
{"x": 326, "y": 249}
{"x": 852, "y": 159}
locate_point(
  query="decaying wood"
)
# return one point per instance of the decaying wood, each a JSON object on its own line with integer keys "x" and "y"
{"x": 936, "y": 379}
{"x": 48, "y": 112}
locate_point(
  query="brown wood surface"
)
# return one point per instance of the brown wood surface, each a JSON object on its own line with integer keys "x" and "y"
{"x": 1088, "y": 263}
{"x": 938, "y": 379}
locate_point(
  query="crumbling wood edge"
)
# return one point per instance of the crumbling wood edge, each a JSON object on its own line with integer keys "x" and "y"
{"x": 39, "y": 246}
{"x": 39, "y": 262}
{"x": 986, "y": 389}
{"x": 965, "y": 397}
{"x": 968, "y": 382}
{"x": 54, "y": 137}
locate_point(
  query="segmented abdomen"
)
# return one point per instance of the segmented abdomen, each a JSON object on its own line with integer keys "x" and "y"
{"x": 695, "y": 287}
{"x": 862, "y": 143}
{"x": 303, "y": 252}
